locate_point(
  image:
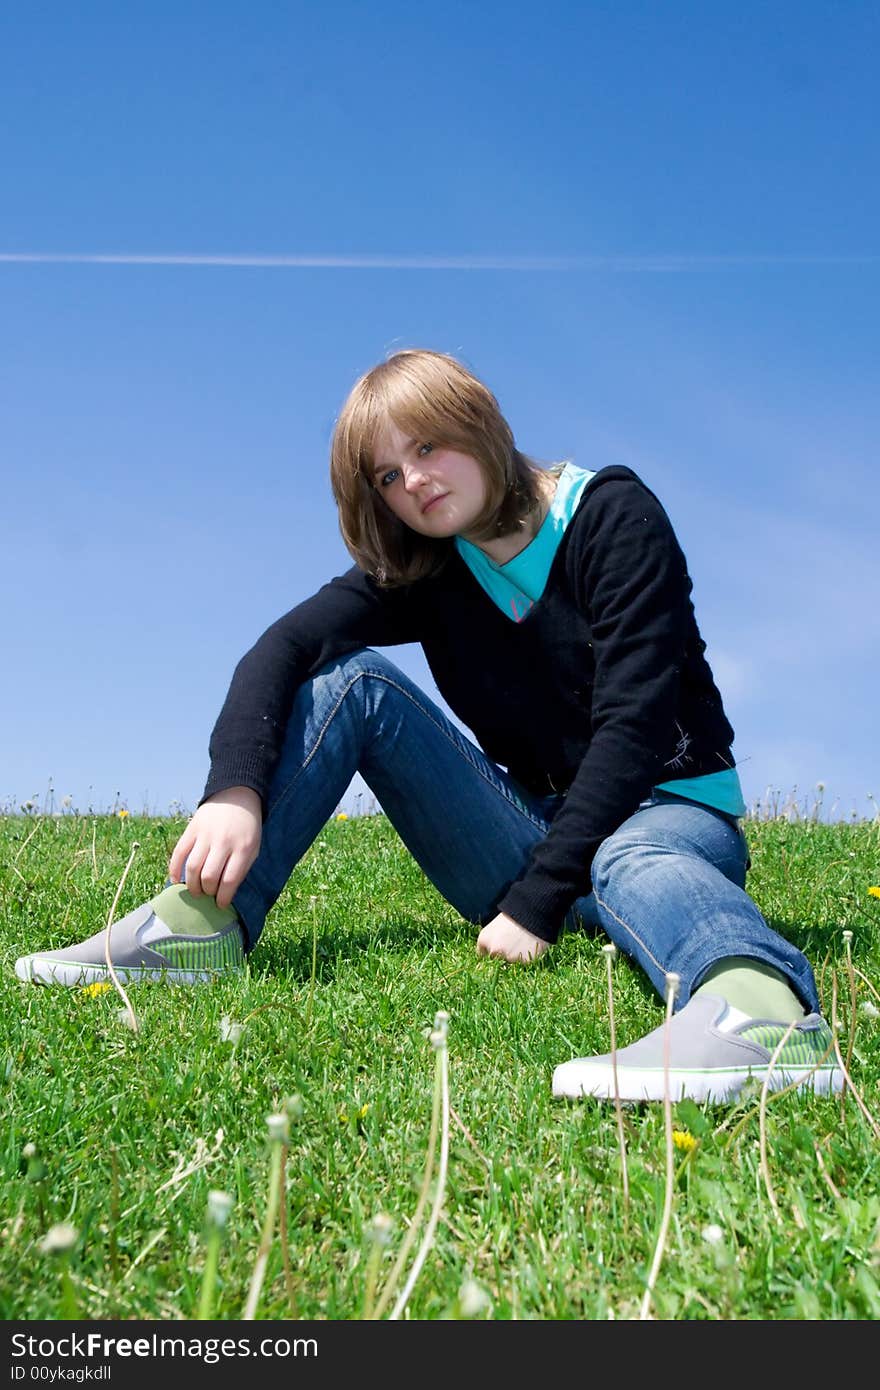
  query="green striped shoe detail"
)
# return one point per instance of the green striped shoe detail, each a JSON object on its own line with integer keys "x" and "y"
{"x": 221, "y": 952}
{"x": 805, "y": 1048}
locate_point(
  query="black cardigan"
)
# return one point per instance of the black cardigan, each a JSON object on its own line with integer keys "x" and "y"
{"x": 600, "y": 692}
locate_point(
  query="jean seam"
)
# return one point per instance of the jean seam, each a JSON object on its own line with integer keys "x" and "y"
{"x": 379, "y": 675}
{"x": 601, "y": 903}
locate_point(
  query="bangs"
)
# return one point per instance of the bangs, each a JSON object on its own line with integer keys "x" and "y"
{"x": 423, "y": 399}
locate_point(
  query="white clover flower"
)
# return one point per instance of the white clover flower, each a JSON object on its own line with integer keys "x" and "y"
{"x": 712, "y": 1234}
{"x": 59, "y": 1239}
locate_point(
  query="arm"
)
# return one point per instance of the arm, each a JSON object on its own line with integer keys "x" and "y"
{"x": 345, "y": 615}
{"x": 631, "y": 579}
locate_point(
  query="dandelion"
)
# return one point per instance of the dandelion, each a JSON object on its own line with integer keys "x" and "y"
{"x": 58, "y": 1242}
{"x": 874, "y": 892}
{"x": 684, "y": 1140}
{"x": 219, "y": 1207}
{"x": 123, "y": 814}
{"x": 293, "y": 1107}
{"x": 712, "y": 1234}
{"x": 378, "y": 1235}
{"x": 217, "y": 1214}
{"x": 868, "y": 1009}
{"x": 59, "y": 1239}
{"x": 342, "y": 816}
{"x": 279, "y": 1128}
{"x": 230, "y": 1031}
{"x": 472, "y": 1299}
{"x": 279, "y": 1133}
{"x": 97, "y": 987}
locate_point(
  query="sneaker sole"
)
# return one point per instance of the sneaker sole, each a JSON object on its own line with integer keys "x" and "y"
{"x": 717, "y": 1086}
{"x": 35, "y": 971}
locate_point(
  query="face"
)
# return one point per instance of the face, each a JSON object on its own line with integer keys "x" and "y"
{"x": 432, "y": 489}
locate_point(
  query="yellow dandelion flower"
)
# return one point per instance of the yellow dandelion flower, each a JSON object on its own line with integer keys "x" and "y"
{"x": 362, "y": 1113}
{"x": 342, "y": 816}
{"x": 684, "y": 1140}
{"x": 342, "y": 1117}
{"x": 99, "y": 987}
{"x": 122, "y": 814}
{"x": 875, "y": 892}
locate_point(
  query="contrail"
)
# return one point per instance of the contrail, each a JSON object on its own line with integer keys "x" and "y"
{"x": 657, "y": 264}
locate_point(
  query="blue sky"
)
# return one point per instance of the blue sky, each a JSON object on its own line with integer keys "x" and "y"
{"x": 651, "y": 228}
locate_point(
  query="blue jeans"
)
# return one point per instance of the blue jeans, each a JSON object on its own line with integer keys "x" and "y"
{"x": 667, "y": 886}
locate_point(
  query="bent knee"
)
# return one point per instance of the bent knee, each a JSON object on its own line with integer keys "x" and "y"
{"x": 362, "y": 662}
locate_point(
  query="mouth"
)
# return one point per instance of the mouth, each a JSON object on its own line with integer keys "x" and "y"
{"x": 439, "y": 498}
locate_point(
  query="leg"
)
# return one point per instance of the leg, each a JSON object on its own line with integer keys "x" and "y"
{"x": 363, "y": 714}
{"x": 669, "y": 890}
{"x": 465, "y": 821}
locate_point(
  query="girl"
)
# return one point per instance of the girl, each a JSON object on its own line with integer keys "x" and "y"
{"x": 553, "y": 607}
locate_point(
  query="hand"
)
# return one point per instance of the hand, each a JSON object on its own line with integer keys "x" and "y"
{"x": 220, "y": 844}
{"x": 506, "y": 938}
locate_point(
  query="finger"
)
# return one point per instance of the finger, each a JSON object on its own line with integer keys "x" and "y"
{"x": 179, "y": 853}
{"x": 232, "y": 877}
{"x": 213, "y": 869}
{"x": 194, "y": 863}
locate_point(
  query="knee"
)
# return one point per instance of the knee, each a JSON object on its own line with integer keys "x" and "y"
{"x": 345, "y": 670}
{"x": 617, "y": 853}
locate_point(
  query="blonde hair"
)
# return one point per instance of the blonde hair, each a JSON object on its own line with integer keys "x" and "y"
{"x": 435, "y": 399}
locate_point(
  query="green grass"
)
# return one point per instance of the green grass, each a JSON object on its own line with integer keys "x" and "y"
{"x": 533, "y": 1212}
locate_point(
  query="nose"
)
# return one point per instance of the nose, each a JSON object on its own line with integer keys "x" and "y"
{"x": 414, "y": 475}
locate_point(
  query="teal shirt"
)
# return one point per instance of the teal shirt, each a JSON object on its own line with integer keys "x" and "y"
{"x": 517, "y": 585}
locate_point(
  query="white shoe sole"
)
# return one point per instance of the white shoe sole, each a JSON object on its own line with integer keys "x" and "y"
{"x": 38, "y": 970}
{"x": 576, "y": 1083}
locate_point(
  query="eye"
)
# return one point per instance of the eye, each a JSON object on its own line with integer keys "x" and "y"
{"x": 383, "y": 481}
{"x": 425, "y": 447}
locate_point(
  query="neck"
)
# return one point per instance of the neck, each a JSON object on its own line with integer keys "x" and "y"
{"x": 507, "y": 547}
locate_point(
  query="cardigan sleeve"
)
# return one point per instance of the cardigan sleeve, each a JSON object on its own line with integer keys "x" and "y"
{"x": 631, "y": 578}
{"x": 346, "y": 614}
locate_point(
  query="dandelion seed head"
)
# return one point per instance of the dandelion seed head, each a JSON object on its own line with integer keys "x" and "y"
{"x": 219, "y": 1207}
{"x": 473, "y": 1299}
{"x": 379, "y": 1229}
{"x": 610, "y": 950}
{"x": 29, "y": 1150}
{"x": 868, "y": 1009}
{"x": 59, "y": 1239}
{"x": 279, "y": 1128}
{"x": 712, "y": 1234}
{"x": 230, "y": 1031}
{"x": 294, "y": 1107}
{"x": 847, "y": 936}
